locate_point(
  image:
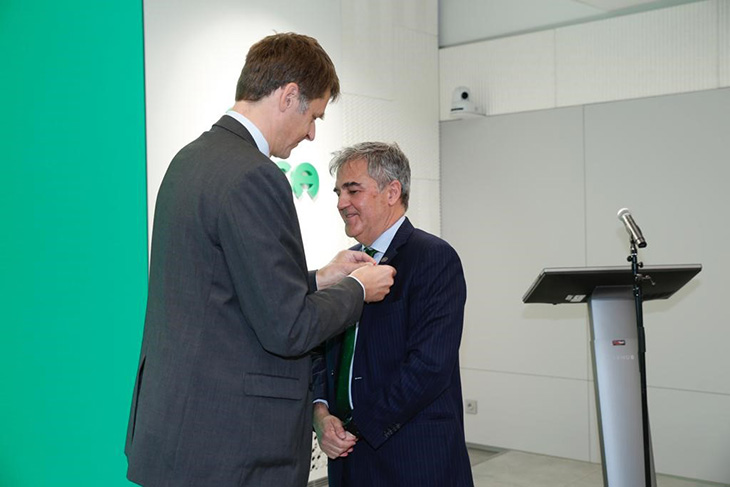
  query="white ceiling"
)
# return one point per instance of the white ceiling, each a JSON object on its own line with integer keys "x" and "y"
{"x": 464, "y": 21}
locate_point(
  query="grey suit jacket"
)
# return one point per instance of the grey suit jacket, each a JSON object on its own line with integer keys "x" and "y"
{"x": 223, "y": 390}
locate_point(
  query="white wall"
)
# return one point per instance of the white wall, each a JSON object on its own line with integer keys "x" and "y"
{"x": 387, "y": 59}
{"x": 539, "y": 186}
{"x": 386, "y": 55}
{"x": 673, "y": 50}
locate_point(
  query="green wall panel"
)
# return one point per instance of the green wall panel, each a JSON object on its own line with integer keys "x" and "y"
{"x": 73, "y": 243}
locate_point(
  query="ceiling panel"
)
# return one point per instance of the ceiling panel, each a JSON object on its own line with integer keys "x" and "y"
{"x": 465, "y": 21}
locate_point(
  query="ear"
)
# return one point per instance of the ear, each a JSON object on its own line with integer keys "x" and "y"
{"x": 394, "y": 192}
{"x": 289, "y": 96}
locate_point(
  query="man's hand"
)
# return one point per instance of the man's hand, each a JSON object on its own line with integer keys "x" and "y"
{"x": 376, "y": 279}
{"x": 342, "y": 265}
{"x": 333, "y": 440}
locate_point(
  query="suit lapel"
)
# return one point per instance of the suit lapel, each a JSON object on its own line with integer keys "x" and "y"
{"x": 373, "y": 313}
{"x": 390, "y": 258}
{"x": 400, "y": 238}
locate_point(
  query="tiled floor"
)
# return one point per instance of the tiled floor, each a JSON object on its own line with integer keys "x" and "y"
{"x": 517, "y": 469}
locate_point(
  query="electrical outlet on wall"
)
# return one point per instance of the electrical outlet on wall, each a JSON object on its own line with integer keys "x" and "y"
{"x": 470, "y": 405}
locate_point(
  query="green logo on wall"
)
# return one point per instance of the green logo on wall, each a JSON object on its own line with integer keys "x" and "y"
{"x": 303, "y": 178}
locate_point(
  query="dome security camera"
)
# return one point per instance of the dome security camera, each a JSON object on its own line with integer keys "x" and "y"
{"x": 461, "y": 102}
{"x": 460, "y": 95}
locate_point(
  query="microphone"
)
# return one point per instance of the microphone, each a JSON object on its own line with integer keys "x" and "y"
{"x": 625, "y": 216}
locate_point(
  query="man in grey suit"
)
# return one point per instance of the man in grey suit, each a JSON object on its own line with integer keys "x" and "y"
{"x": 223, "y": 395}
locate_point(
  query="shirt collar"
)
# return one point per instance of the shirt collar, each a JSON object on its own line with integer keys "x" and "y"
{"x": 258, "y": 137}
{"x": 382, "y": 243}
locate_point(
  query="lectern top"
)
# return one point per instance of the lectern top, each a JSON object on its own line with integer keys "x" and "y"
{"x": 575, "y": 284}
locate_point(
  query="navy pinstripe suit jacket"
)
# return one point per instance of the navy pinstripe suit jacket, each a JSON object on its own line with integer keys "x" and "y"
{"x": 406, "y": 383}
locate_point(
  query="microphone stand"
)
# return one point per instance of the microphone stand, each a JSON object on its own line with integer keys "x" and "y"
{"x": 638, "y": 299}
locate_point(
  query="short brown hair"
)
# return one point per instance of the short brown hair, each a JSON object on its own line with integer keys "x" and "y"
{"x": 280, "y": 59}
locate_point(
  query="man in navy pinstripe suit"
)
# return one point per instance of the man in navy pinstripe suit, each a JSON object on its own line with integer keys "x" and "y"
{"x": 401, "y": 422}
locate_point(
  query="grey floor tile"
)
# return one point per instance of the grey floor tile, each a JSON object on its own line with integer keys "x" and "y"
{"x": 490, "y": 482}
{"x": 519, "y": 469}
{"x": 479, "y": 455}
{"x": 594, "y": 479}
{"x": 529, "y": 470}
{"x": 667, "y": 481}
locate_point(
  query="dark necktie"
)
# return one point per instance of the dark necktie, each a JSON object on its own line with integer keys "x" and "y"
{"x": 342, "y": 391}
{"x": 371, "y": 252}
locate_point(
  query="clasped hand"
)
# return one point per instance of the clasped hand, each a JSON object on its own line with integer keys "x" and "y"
{"x": 333, "y": 440}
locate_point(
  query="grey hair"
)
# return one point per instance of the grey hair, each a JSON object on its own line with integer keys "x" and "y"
{"x": 303, "y": 104}
{"x": 386, "y": 163}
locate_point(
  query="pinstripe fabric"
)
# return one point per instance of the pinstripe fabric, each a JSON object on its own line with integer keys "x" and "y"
{"x": 222, "y": 397}
{"x": 406, "y": 385}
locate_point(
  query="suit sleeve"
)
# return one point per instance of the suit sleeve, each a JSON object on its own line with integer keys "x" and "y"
{"x": 312, "y": 280}
{"x": 259, "y": 233}
{"x": 319, "y": 374}
{"x": 435, "y": 324}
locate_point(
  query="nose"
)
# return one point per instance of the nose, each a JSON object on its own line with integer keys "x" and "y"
{"x": 312, "y": 130}
{"x": 342, "y": 202}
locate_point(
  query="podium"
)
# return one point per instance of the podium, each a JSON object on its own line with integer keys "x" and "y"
{"x": 608, "y": 292}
